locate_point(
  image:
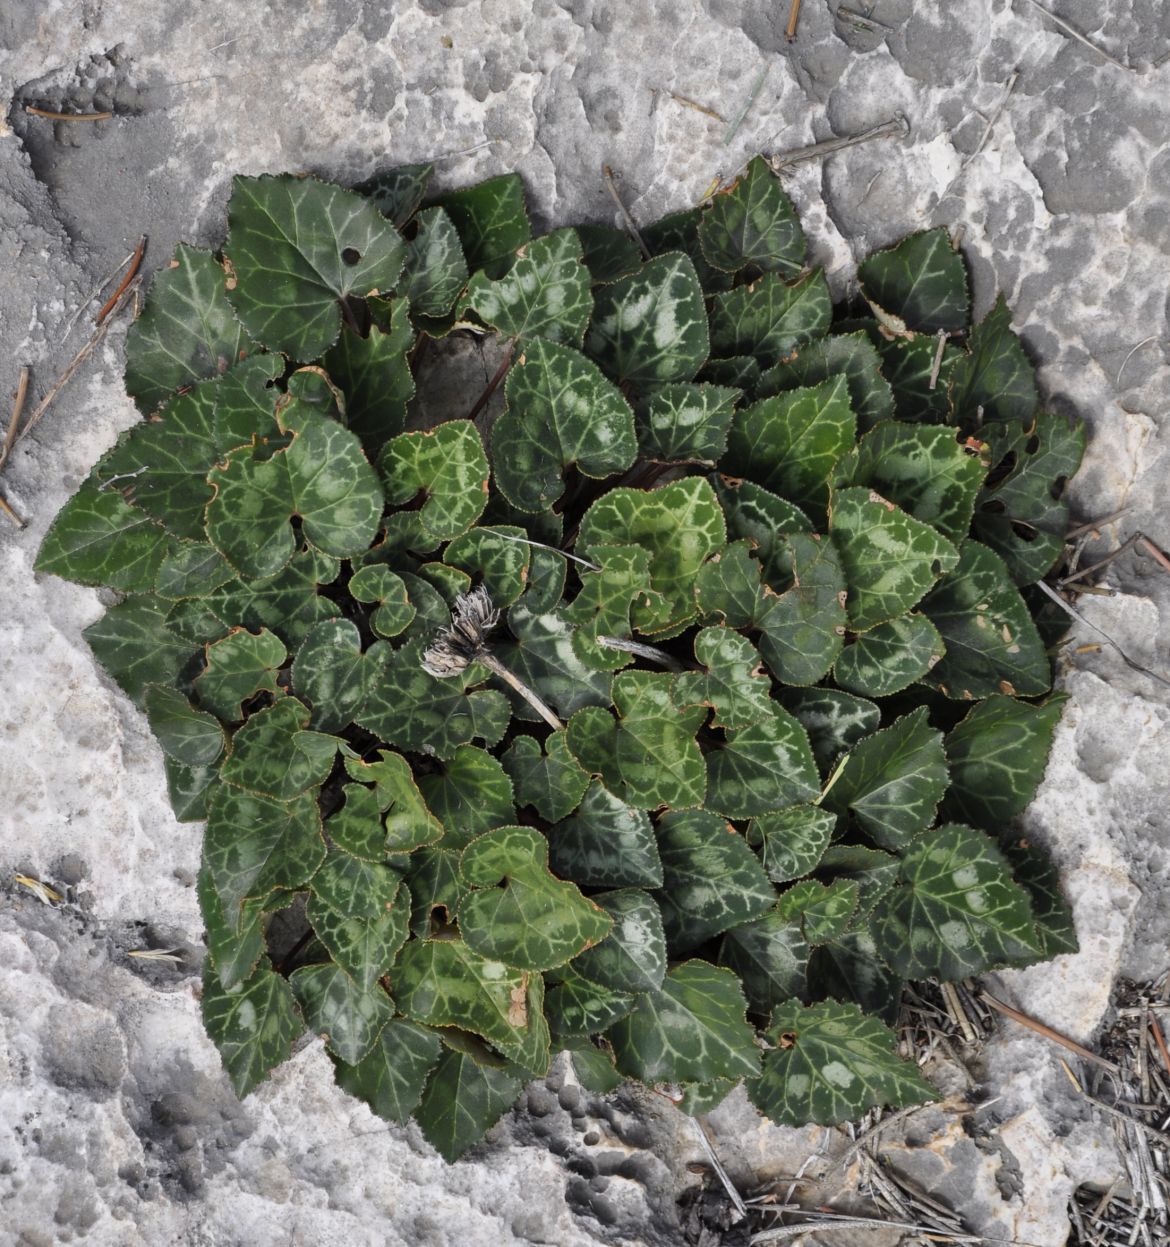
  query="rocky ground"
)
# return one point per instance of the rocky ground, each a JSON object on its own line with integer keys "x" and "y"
{"x": 117, "y": 1125}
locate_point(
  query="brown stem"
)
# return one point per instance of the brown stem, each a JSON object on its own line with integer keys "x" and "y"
{"x": 494, "y": 384}
{"x": 497, "y": 668}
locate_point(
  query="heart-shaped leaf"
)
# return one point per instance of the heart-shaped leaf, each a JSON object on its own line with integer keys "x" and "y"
{"x": 409, "y": 824}
{"x": 447, "y": 466}
{"x": 830, "y": 1063}
{"x": 544, "y": 294}
{"x": 377, "y": 583}
{"x": 435, "y": 271}
{"x": 891, "y": 656}
{"x": 711, "y": 879}
{"x": 492, "y": 222}
{"x": 890, "y": 558}
{"x": 547, "y": 779}
{"x": 297, "y": 247}
{"x": 651, "y": 327}
{"x": 470, "y": 793}
{"x": 135, "y": 644}
{"x": 462, "y": 1101}
{"x": 534, "y": 921}
{"x": 191, "y": 736}
{"x": 632, "y": 958}
{"x": 606, "y": 843}
{"x": 602, "y": 607}
{"x": 578, "y": 1007}
{"x": 561, "y": 410}
{"x": 253, "y": 1024}
{"x": 997, "y": 756}
{"x": 348, "y": 1016}
{"x": 852, "y": 355}
{"x": 893, "y": 780}
{"x": 992, "y": 645}
{"x": 239, "y": 665}
{"x": 769, "y": 319}
{"x": 390, "y": 1077}
{"x": 733, "y": 682}
{"x": 920, "y": 284}
{"x": 364, "y": 948}
{"x": 685, "y": 423}
{"x": 834, "y": 721}
{"x": 761, "y": 768}
{"x": 321, "y": 477}
{"x": 791, "y": 841}
{"x": 770, "y": 955}
{"x": 691, "y": 1030}
{"x": 649, "y": 756}
{"x": 753, "y": 222}
{"x": 397, "y": 192}
{"x": 955, "y": 910}
{"x": 273, "y": 755}
{"x": 333, "y": 675}
{"x": 187, "y": 330}
{"x": 681, "y": 524}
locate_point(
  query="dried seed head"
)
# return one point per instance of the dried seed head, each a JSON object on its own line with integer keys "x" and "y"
{"x": 459, "y": 644}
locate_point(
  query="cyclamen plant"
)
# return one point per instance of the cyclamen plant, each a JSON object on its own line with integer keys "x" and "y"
{"x": 759, "y": 567}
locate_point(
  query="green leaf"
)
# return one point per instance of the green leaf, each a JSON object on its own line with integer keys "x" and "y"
{"x": 920, "y": 284}
{"x": 364, "y": 948}
{"x": 908, "y": 365}
{"x": 235, "y": 954}
{"x": 923, "y": 469}
{"x": 763, "y": 518}
{"x": 691, "y": 1030}
{"x": 463, "y": 1100}
{"x": 374, "y": 374}
{"x": 603, "y": 605}
{"x": 769, "y": 319}
{"x": 995, "y": 374}
{"x": 97, "y": 538}
{"x": 137, "y": 647}
{"x": 273, "y": 755}
{"x": 469, "y": 794}
{"x": 496, "y": 557}
{"x": 333, "y": 675}
{"x": 390, "y": 1077}
{"x": 409, "y": 823}
{"x": 192, "y": 569}
{"x": 770, "y": 956}
{"x": 893, "y": 781}
{"x": 253, "y": 1024}
{"x": 1032, "y": 868}
{"x": 322, "y": 478}
{"x": 955, "y": 910}
{"x": 348, "y": 1016}
{"x": 681, "y": 524}
{"x": 533, "y": 920}
{"x": 685, "y": 423}
{"x": 997, "y": 756}
{"x": 711, "y": 879}
{"x": 187, "y": 787}
{"x": 549, "y": 780}
{"x": 824, "y": 912}
{"x": 632, "y": 958}
{"x": 1023, "y": 514}
{"x": 435, "y": 271}
{"x": 992, "y": 645}
{"x": 802, "y": 629}
{"x": 701, "y": 1098}
{"x": 890, "y": 558}
{"x": 891, "y": 656}
{"x": 851, "y": 354}
{"x": 791, "y": 443}
{"x": 594, "y": 1067}
{"x": 297, "y": 246}
{"x": 444, "y": 982}
{"x": 649, "y": 757}
{"x": 187, "y": 330}
{"x": 397, "y": 192}
{"x": 545, "y": 292}
{"x": 357, "y": 826}
{"x": 762, "y": 768}
{"x": 829, "y": 1064}
{"x": 850, "y": 968}
{"x": 492, "y": 221}
{"x": 753, "y": 222}
{"x": 447, "y": 466}
{"x": 792, "y": 841}
{"x": 543, "y": 655}
{"x": 651, "y": 327}
{"x": 733, "y": 682}
{"x": 413, "y": 710}
{"x": 740, "y": 371}
{"x": 578, "y": 1007}
{"x": 834, "y": 721}
{"x": 377, "y": 583}
{"x": 190, "y": 736}
{"x": 239, "y": 665}
{"x": 606, "y": 843}
{"x": 608, "y": 252}
{"x": 254, "y": 845}
{"x": 561, "y": 410}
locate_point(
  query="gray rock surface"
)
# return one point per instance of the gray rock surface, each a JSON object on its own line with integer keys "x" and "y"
{"x": 117, "y": 1125}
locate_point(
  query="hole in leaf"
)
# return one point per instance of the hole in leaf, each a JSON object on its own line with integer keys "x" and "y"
{"x": 1025, "y": 532}
{"x": 1057, "y": 487}
{"x": 995, "y": 506}
{"x": 351, "y": 255}
{"x": 1002, "y": 469}
{"x": 1032, "y": 445}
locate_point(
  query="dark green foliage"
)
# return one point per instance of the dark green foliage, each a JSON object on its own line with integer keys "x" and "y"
{"x": 738, "y": 556}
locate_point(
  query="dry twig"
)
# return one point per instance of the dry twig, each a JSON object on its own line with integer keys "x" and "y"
{"x": 1048, "y": 1033}
{"x": 897, "y": 126}
{"x": 610, "y": 185}
{"x": 1072, "y": 32}
{"x": 51, "y": 115}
